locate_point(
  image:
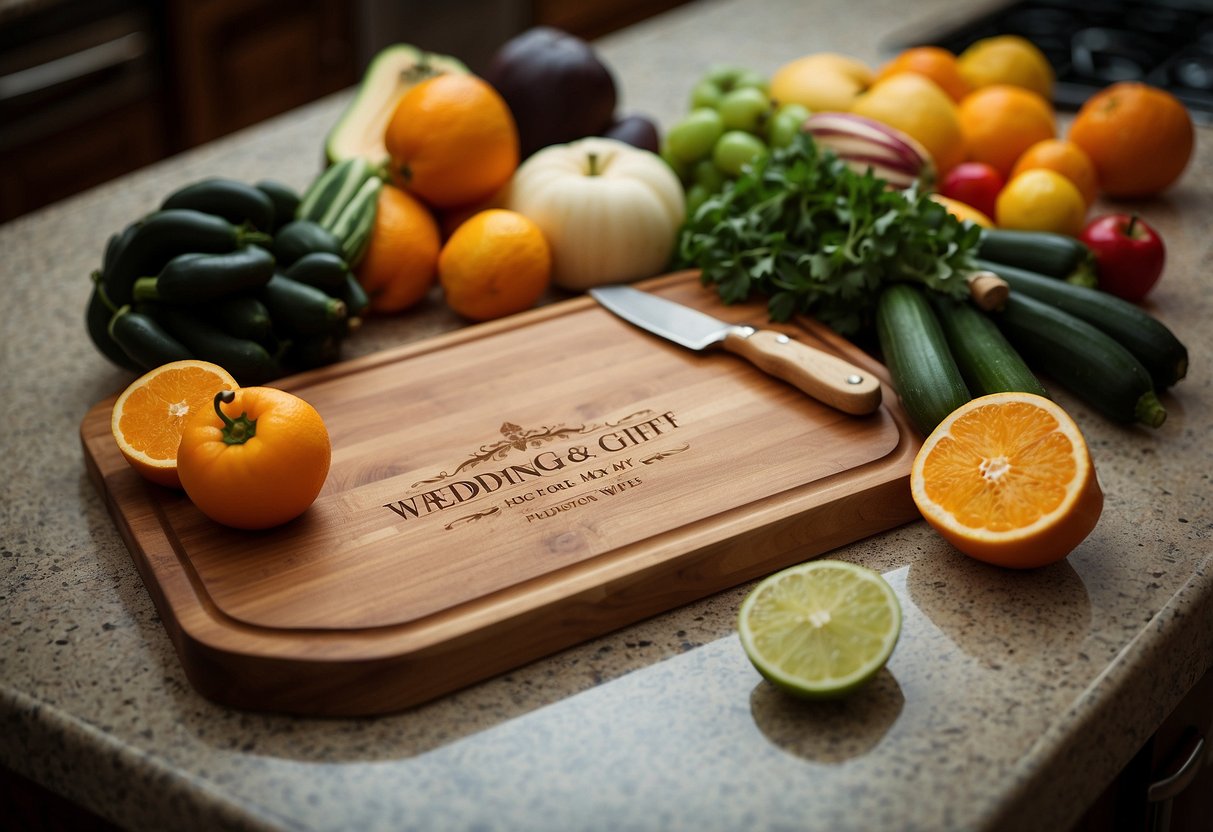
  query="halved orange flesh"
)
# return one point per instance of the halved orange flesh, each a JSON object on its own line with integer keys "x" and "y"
{"x": 150, "y": 414}
{"x": 1007, "y": 479}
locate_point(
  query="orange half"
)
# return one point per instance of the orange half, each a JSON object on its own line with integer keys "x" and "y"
{"x": 1007, "y": 479}
{"x": 150, "y": 414}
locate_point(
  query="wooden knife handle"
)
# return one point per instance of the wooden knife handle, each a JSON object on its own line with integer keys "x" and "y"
{"x": 825, "y": 377}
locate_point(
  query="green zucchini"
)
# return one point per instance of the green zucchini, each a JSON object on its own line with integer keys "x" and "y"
{"x": 243, "y": 316}
{"x": 1082, "y": 358}
{"x": 1044, "y": 252}
{"x": 1155, "y": 346}
{"x": 199, "y": 278}
{"x": 356, "y": 300}
{"x": 301, "y": 237}
{"x": 299, "y": 309}
{"x": 248, "y": 361}
{"x": 314, "y": 351}
{"x": 915, "y": 350}
{"x": 987, "y": 361}
{"x": 144, "y": 340}
{"x": 322, "y": 269}
{"x": 284, "y": 197}
{"x": 97, "y": 317}
{"x": 99, "y": 309}
{"x": 236, "y": 202}
{"x": 163, "y": 235}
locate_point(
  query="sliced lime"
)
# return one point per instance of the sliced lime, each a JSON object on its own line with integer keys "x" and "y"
{"x": 820, "y": 629}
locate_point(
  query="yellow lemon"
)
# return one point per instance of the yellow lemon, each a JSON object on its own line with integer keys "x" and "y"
{"x": 1041, "y": 200}
{"x": 1007, "y": 59}
{"x": 919, "y": 107}
{"x": 825, "y": 81}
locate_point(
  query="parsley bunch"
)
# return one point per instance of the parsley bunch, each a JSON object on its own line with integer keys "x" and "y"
{"x": 816, "y": 237}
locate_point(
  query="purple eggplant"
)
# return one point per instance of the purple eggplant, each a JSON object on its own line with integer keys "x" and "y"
{"x": 556, "y": 87}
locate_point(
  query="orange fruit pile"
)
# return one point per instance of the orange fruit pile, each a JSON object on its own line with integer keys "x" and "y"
{"x": 453, "y": 147}
{"x": 150, "y": 414}
{"x": 992, "y": 104}
{"x": 1066, "y": 158}
{"x": 1007, "y": 479}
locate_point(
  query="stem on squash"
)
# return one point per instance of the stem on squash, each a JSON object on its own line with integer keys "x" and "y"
{"x": 235, "y": 431}
{"x": 593, "y": 159}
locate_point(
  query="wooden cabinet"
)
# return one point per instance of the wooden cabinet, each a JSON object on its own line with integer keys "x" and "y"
{"x": 1168, "y": 785}
{"x": 238, "y": 62}
{"x": 80, "y": 99}
{"x": 41, "y": 172}
{"x": 93, "y": 89}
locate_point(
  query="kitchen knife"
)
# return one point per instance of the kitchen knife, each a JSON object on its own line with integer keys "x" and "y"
{"x": 825, "y": 377}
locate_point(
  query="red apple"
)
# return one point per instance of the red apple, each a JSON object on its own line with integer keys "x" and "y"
{"x": 1129, "y": 254}
{"x": 976, "y": 184}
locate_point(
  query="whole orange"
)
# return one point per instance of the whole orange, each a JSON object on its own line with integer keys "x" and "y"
{"x": 256, "y": 458}
{"x": 1065, "y": 157}
{"x": 935, "y": 63}
{"x": 452, "y": 140}
{"x": 1139, "y": 138}
{"x": 496, "y": 263}
{"x": 401, "y": 260}
{"x": 917, "y": 106}
{"x": 1001, "y": 121}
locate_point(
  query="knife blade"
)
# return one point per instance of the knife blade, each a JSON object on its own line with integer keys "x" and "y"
{"x": 827, "y": 378}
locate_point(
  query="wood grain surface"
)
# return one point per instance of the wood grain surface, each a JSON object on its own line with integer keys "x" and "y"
{"x": 501, "y": 492}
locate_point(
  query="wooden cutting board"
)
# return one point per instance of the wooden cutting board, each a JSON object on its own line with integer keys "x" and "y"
{"x": 501, "y": 492}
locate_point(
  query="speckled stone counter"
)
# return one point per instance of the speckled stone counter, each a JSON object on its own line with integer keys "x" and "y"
{"x": 1010, "y": 702}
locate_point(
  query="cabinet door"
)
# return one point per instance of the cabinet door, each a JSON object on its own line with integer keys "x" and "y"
{"x": 1180, "y": 791}
{"x": 238, "y": 62}
{"x": 52, "y": 168}
{"x": 1168, "y": 785}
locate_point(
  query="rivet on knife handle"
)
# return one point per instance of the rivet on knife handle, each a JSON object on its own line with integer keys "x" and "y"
{"x": 825, "y": 377}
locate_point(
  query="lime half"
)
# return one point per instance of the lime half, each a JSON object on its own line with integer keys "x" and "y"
{"x": 820, "y": 629}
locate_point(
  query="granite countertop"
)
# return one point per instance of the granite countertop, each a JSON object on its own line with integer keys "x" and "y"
{"x": 1010, "y": 702}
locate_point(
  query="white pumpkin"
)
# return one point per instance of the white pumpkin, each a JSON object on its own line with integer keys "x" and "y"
{"x": 610, "y": 211}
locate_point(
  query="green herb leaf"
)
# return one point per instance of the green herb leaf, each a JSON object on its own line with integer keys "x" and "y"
{"x": 813, "y": 236}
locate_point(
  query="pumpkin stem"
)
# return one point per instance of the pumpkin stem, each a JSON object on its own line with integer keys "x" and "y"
{"x": 593, "y": 159}
{"x": 235, "y": 431}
